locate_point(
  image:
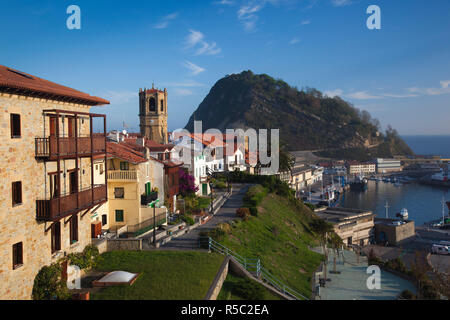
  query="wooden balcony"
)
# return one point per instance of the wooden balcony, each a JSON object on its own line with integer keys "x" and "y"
{"x": 122, "y": 175}
{"x": 69, "y": 147}
{"x": 58, "y": 208}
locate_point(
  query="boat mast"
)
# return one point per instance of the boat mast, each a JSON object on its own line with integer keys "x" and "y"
{"x": 443, "y": 210}
{"x": 387, "y": 210}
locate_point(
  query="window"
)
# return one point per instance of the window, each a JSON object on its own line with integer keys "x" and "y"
{"x": 119, "y": 193}
{"x": 101, "y": 168}
{"x": 15, "y": 126}
{"x": 104, "y": 219}
{"x": 74, "y": 229}
{"x": 17, "y": 255}
{"x": 56, "y": 237}
{"x": 119, "y": 215}
{"x": 124, "y": 166}
{"x": 162, "y": 105}
{"x": 152, "y": 105}
{"x": 16, "y": 193}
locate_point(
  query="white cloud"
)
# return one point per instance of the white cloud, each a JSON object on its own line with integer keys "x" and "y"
{"x": 362, "y": 95}
{"x": 165, "y": 21}
{"x": 294, "y": 41}
{"x": 195, "y": 69}
{"x": 196, "y": 39}
{"x": 224, "y": 2}
{"x": 334, "y": 93}
{"x": 443, "y": 89}
{"x": 341, "y": 3}
{"x": 305, "y": 22}
{"x": 247, "y": 15}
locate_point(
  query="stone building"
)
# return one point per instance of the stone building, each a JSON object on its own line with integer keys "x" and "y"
{"x": 48, "y": 190}
{"x": 393, "y": 231}
{"x": 354, "y": 226}
{"x": 153, "y": 114}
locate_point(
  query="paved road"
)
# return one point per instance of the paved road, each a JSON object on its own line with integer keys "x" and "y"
{"x": 189, "y": 241}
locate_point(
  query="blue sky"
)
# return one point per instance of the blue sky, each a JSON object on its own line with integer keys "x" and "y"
{"x": 400, "y": 74}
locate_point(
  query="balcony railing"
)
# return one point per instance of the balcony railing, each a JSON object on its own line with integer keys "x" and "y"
{"x": 122, "y": 175}
{"x": 48, "y": 147}
{"x": 58, "y": 208}
{"x": 146, "y": 199}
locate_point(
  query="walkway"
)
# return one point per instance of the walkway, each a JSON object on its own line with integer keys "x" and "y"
{"x": 189, "y": 241}
{"x": 351, "y": 282}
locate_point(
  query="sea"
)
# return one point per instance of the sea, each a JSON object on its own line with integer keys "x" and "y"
{"x": 423, "y": 202}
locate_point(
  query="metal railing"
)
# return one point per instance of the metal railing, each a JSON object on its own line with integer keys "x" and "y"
{"x": 255, "y": 267}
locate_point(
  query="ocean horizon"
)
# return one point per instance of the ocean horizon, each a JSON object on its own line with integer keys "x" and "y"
{"x": 429, "y": 144}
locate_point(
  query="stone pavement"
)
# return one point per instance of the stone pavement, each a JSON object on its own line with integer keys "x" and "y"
{"x": 351, "y": 283}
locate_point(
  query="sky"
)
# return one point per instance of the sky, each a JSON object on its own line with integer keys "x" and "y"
{"x": 399, "y": 73}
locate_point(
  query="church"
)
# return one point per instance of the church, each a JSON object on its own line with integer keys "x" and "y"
{"x": 153, "y": 114}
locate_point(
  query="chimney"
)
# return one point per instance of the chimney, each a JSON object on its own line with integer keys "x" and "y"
{"x": 147, "y": 153}
{"x": 140, "y": 142}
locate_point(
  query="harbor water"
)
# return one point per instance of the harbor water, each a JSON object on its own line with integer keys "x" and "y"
{"x": 424, "y": 203}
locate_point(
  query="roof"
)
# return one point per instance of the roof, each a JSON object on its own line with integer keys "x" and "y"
{"x": 338, "y": 215}
{"x": 124, "y": 152}
{"x": 18, "y": 82}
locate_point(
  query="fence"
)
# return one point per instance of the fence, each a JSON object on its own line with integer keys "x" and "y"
{"x": 253, "y": 266}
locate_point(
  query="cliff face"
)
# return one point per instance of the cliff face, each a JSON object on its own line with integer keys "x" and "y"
{"x": 307, "y": 120}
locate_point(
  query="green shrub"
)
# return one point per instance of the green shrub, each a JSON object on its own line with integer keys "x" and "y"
{"x": 85, "y": 260}
{"x": 48, "y": 284}
{"x": 249, "y": 289}
{"x": 188, "y": 219}
{"x": 253, "y": 211}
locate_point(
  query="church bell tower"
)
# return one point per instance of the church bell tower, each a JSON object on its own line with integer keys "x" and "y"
{"x": 153, "y": 114}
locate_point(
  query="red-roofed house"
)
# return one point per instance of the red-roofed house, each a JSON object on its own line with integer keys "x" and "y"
{"x": 49, "y": 188}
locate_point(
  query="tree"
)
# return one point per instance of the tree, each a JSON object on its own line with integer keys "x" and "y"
{"x": 322, "y": 228}
{"x": 286, "y": 160}
{"x": 336, "y": 243}
{"x": 187, "y": 183}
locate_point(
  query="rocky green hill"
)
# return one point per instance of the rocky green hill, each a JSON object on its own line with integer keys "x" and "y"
{"x": 307, "y": 119}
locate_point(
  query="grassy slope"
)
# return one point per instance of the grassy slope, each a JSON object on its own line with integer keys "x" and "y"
{"x": 227, "y": 292}
{"x": 167, "y": 275}
{"x": 279, "y": 236}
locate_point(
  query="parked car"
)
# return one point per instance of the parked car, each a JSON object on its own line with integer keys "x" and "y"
{"x": 440, "y": 249}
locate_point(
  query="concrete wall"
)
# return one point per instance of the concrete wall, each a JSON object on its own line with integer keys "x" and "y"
{"x": 394, "y": 234}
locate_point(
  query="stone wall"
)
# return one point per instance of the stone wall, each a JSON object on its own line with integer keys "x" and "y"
{"x": 18, "y": 224}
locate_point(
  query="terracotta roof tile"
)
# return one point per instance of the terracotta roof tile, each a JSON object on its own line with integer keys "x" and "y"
{"x": 14, "y": 81}
{"x": 124, "y": 152}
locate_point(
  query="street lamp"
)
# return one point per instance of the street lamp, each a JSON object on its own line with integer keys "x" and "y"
{"x": 153, "y": 205}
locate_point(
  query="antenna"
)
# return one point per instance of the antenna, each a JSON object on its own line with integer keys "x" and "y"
{"x": 387, "y": 210}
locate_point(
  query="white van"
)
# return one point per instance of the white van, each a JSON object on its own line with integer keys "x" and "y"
{"x": 440, "y": 249}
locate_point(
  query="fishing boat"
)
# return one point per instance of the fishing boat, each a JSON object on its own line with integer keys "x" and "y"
{"x": 403, "y": 214}
{"x": 359, "y": 184}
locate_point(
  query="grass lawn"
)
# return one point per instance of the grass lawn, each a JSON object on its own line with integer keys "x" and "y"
{"x": 166, "y": 275}
{"x": 229, "y": 291}
{"x": 279, "y": 236}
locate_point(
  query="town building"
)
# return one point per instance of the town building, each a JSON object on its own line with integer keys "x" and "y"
{"x": 49, "y": 187}
{"x": 393, "y": 231}
{"x": 134, "y": 181}
{"x": 360, "y": 168}
{"x": 388, "y": 165}
{"x": 354, "y": 226}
